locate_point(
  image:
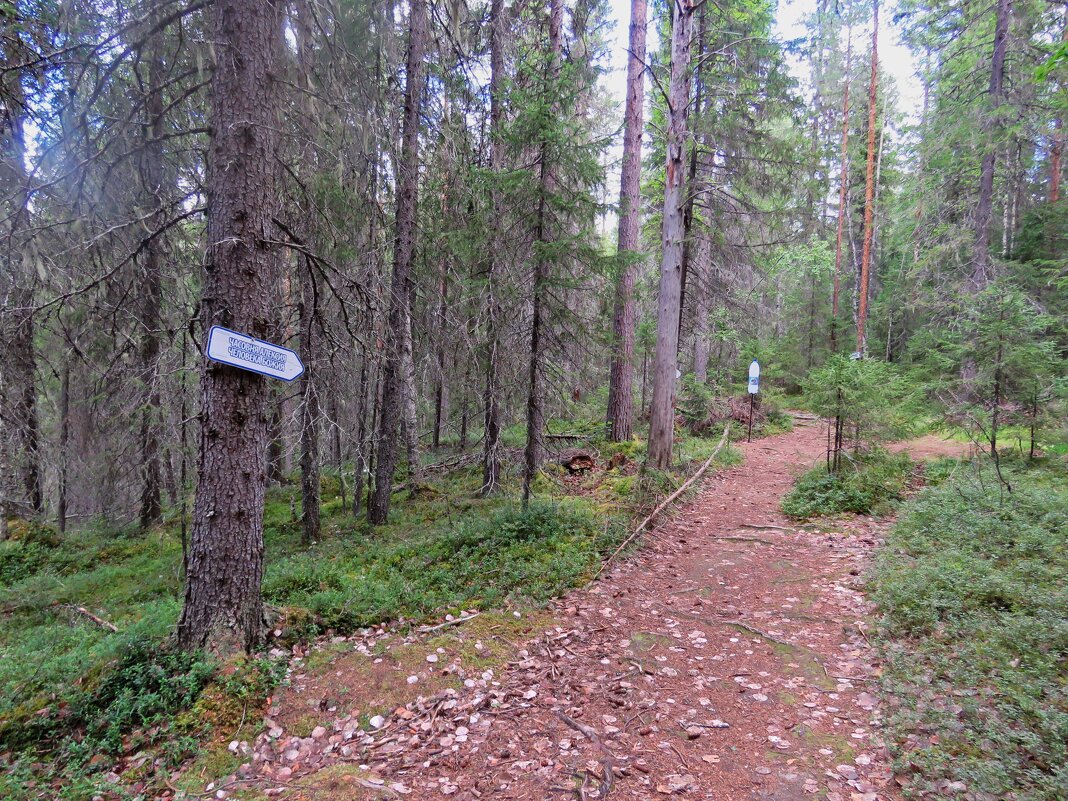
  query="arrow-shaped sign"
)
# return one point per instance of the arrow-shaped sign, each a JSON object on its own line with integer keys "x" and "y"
{"x": 255, "y": 355}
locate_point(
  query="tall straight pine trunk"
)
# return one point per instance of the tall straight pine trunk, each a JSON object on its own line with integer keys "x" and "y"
{"x": 621, "y": 377}
{"x": 152, "y": 288}
{"x": 393, "y": 374}
{"x": 665, "y": 360}
{"x": 311, "y": 333}
{"x": 20, "y": 465}
{"x": 543, "y": 235}
{"x": 869, "y": 189}
{"x": 491, "y": 445}
{"x": 843, "y": 198}
{"x": 702, "y": 283}
{"x": 984, "y": 211}
{"x": 223, "y": 608}
{"x": 1056, "y": 151}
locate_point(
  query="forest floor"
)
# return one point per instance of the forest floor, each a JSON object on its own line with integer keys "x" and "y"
{"x": 727, "y": 659}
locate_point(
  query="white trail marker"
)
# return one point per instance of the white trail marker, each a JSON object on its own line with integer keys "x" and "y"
{"x": 754, "y": 388}
{"x": 255, "y": 355}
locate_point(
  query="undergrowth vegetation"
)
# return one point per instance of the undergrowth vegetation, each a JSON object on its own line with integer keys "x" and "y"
{"x": 972, "y": 589}
{"x": 868, "y": 483}
{"x": 75, "y": 695}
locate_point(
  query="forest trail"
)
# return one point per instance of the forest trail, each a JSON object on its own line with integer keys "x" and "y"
{"x": 726, "y": 660}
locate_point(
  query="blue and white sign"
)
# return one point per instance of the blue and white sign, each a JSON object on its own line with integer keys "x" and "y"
{"x": 255, "y": 355}
{"x": 754, "y": 377}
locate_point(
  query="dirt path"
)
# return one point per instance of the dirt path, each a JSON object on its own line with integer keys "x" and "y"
{"x": 932, "y": 446}
{"x": 727, "y": 661}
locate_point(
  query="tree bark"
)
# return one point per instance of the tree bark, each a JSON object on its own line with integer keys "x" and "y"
{"x": 984, "y": 212}
{"x": 535, "y": 400}
{"x": 665, "y": 360}
{"x": 843, "y": 192}
{"x": 275, "y": 473}
{"x": 1056, "y": 151}
{"x": 310, "y": 407}
{"x": 18, "y": 368}
{"x": 223, "y": 608}
{"x": 411, "y": 397}
{"x": 311, "y": 334}
{"x": 393, "y": 374}
{"x": 152, "y": 287}
{"x": 691, "y": 187}
{"x": 440, "y": 389}
{"x": 64, "y": 442}
{"x": 620, "y": 418}
{"x": 491, "y": 458}
{"x": 359, "y": 461}
{"x": 869, "y": 188}
{"x": 702, "y": 280}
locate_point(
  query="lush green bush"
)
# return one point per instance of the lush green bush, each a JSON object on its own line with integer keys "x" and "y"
{"x": 863, "y": 486}
{"x": 972, "y": 591}
{"x": 875, "y": 400}
{"x": 147, "y": 686}
{"x": 776, "y": 421}
{"x": 696, "y": 402}
{"x": 20, "y": 560}
{"x": 299, "y": 576}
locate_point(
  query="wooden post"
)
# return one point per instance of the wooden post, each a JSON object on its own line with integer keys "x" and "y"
{"x": 749, "y": 436}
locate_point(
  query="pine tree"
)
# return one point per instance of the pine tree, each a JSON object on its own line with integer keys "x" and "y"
{"x": 223, "y": 608}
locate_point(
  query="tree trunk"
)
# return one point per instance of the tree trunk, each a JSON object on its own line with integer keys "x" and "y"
{"x": 393, "y": 377}
{"x": 411, "y": 409}
{"x": 359, "y": 462}
{"x": 311, "y": 334}
{"x": 310, "y": 407}
{"x": 691, "y": 178}
{"x": 64, "y": 442}
{"x": 665, "y": 360}
{"x": 152, "y": 287}
{"x": 984, "y": 212}
{"x": 1056, "y": 151}
{"x": 535, "y": 400}
{"x": 621, "y": 376}
{"x": 275, "y": 473}
{"x": 869, "y": 188}
{"x": 223, "y": 608}
{"x": 491, "y": 458}
{"x": 440, "y": 393}
{"x": 18, "y": 370}
{"x": 702, "y": 260}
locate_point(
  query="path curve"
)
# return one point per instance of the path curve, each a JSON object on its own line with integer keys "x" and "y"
{"x": 726, "y": 660}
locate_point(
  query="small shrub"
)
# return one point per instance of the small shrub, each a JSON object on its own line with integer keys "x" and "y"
{"x": 776, "y": 421}
{"x": 863, "y": 487}
{"x": 21, "y": 559}
{"x": 695, "y": 404}
{"x": 298, "y": 578}
{"x": 632, "y": 449}
{"x": 148, "y": 686}
{"x": 622, "y": 487}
